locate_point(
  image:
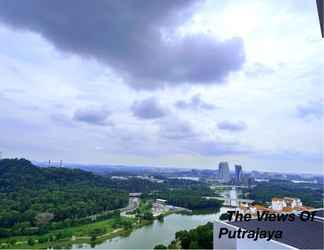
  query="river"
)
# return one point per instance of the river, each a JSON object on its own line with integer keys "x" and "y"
{"x": 158, "y": 232}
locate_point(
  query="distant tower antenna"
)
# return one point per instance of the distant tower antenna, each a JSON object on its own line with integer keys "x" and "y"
{"x": 49, "y": 163}
{"x": 61, "y": 163}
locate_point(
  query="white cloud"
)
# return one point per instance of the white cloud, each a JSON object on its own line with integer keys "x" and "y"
{"x": 42, "y": 87}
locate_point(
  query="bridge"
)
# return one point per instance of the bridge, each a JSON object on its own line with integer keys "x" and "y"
{"x": 228, "y": 186}
{"x": 229, "y": 202}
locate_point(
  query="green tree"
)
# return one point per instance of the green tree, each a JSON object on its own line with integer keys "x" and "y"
{"x": 30, "y": 242}
{"x": 160, "y": 246}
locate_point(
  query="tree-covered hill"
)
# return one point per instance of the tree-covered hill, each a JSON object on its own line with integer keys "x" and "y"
{"x": 32, "y": 197}
{"x": 199, "y": 238}
{"x": 21, "y": 173}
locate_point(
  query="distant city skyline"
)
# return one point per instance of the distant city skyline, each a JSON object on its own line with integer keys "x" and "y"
{"x": 215, "y": 168}
{"x": 185, "y": 84}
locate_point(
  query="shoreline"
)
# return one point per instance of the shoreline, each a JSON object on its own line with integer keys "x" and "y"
{"x": 67, "y": 243}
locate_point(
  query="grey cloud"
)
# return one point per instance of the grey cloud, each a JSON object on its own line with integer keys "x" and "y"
{"x": 175, "y": 129}
{"x": 182, "y": 138}
{"x": 128, "y": 36}
{"x": 63, "y": 120}
{"x": 311, "y": 110}
{"x": 148, "y": 109}
{"x": 194, "y": 103}
{"x": 92, "y": 115}
{"x": 232, "y": 126}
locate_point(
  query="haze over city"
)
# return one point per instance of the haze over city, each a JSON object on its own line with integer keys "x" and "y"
{"x": 174, "y": 83}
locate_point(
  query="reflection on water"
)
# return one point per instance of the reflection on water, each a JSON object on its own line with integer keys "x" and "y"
{"x": 158, "y": 232}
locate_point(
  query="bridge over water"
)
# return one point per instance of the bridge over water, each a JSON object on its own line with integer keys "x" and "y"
{"x": 229, "y": 202}
{"x": 230, "y": 197}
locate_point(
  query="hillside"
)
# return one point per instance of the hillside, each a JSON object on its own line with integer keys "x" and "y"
{"x": 199, "y": 238}
{"x": 34, "y": 198}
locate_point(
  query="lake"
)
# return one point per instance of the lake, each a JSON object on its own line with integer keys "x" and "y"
{"x": 158, "y": 232}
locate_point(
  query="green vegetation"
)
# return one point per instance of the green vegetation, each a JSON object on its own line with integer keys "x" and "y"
{"x": 198, "y": 238}
{"x": 190, "y": 198}
{"x": 46, "y": 207}
{"x": 92, "y": 232}
{"x": 160, "y": 246}
{"x": 37, "y": 200}
{"x": 310, "y": 194}
{"x": 144, "y": 211}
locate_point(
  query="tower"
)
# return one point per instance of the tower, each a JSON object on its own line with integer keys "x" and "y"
{"x": 238, "y": 174}
{"x": 223, "y": 171}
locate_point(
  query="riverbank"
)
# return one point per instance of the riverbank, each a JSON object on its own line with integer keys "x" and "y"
{"x": 158, "y": 232}
{"x": 92, "y": 233}
{"x": 96, "y": 232}
{"x": 155, "y": 230}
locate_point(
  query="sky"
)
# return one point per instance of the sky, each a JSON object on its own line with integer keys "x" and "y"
{"x": 181, "y": 83}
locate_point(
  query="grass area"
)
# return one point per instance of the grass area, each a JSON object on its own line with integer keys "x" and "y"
{"x": 84, "y": 233}
{"x": 92, "y": 233}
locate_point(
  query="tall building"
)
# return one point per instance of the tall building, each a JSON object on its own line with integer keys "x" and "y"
{"x": 320, "y": 9}
{"x": 223, "y": 171}
{"x": 238, "y": 174}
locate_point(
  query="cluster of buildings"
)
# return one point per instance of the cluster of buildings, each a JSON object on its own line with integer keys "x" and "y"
{"x": 224, "y": 175}
{"x": 144, "y": 177}
{"x": 278, "y": 205}
{"x": 288, "y": 205}
{"x": 296, "y": 234}
{"x": 159, "y": 207}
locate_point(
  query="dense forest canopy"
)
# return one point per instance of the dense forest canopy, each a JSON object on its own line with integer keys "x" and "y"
{"x": 310, "y": 194}
{"x": 36, "y": 200}
{"x": 198, "y": 238}
{"x": 31, "y": 196}
{"x": 191, "y": 198}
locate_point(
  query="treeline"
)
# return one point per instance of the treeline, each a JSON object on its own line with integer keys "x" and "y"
{"x": 310, "y": 194}
{"x": 145, "y": 186}
{"x": 34, "y": 200}
{"x": 190, "y": 197}
{"x": 198, "y": 238}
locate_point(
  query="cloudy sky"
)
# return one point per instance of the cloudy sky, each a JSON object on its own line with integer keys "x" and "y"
{"x": 163, "y": 83}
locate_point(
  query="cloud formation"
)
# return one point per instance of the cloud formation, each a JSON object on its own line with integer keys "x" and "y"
{"x": 153, "y": 44}
{"x": 175, "y": 129}
{"x": 131, "y": 37}
{"x": 148, "y": 109}
{"x": 92, "y": 115}
{"x": 311, "y": 110}
{"x": 195, "y": 102}
{"x": 232, "y": 126}
{"x": 180, "y": 136}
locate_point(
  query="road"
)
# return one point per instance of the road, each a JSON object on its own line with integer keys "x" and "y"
{"x": 133, "y": 204}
